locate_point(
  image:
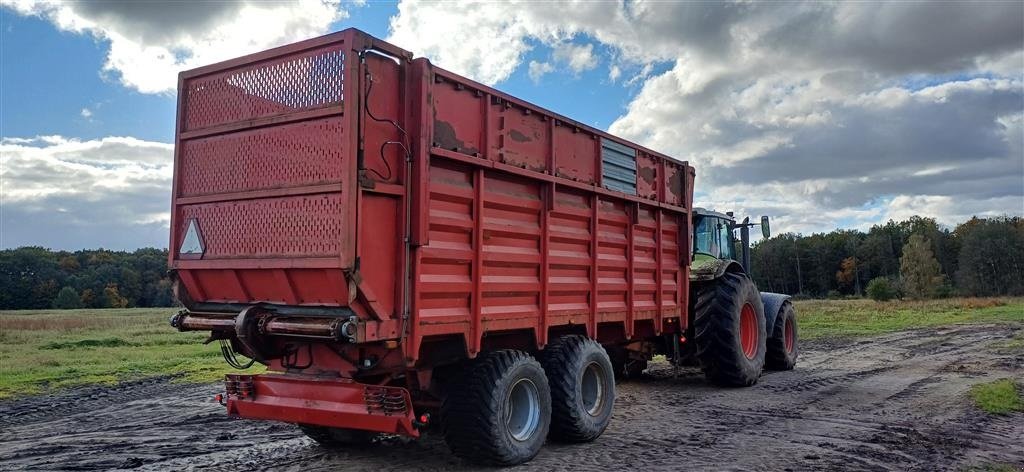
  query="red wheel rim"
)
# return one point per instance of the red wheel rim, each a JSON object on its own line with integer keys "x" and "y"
{"x": 748, "y": 331}
{"x": 789, "y": 335}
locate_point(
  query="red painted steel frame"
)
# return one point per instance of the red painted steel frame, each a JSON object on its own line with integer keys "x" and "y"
{"x": 322, "y": 402}
{"x": 292, "y": 164}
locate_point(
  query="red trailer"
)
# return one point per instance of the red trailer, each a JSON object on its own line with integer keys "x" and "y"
{"x": 402, "y": 246}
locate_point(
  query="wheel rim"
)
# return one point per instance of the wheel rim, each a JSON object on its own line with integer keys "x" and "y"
{"x": 748, "y": 331}
{"x": 592, "y": 389}
{"x": 790, "y": 335}
{"x": 522, "y": 410}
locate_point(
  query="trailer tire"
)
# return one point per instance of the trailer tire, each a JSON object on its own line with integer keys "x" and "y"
{"x": 729, "y": 330}
{"x": 582, "y": 388}
{"x": 337, "y": 437}
{"x": 499, "y": 411}
{"x": 783, "y": 348}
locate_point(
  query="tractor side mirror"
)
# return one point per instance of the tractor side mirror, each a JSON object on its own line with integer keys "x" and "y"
{"x": 766, "y": 230}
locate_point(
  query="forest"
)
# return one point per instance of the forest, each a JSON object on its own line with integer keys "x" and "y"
{"x": 915, "y": 258}
{"x": 35, "y": 278}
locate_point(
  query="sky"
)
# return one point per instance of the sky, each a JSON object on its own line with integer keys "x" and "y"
{"x": 821, "y": 115}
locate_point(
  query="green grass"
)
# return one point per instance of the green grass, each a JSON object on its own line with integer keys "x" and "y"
{"x": 847, "y": 318}
{"x": 999, "y": 397}
{"x": 46, "y": 349}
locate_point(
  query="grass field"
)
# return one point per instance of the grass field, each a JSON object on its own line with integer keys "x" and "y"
{"x": 59, "y": 348}
{"x": 835, "y": 318}
{"x": 47, "y": 349}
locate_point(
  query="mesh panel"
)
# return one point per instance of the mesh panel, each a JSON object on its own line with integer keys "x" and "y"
{"x": 304, "y": 226}
{"x": 280, "y": 86}
{"x": 297, "y": 154}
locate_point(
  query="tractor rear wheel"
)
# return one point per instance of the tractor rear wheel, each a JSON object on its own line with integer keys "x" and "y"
{"x": 729, "y": 330}
{"x": 337, "y": 437}
{"x": 582, "y": 388}
{"x": 782, "y": 344}
{"x": 499, "y": 411}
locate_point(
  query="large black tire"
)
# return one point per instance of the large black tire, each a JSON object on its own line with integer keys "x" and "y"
{"x": 724, "y": 310}
{"x": 499, "y": 411}
{"x": 582, "y": 388}
{"x": 782, "y": 353}
{"x": 338, "y": 437}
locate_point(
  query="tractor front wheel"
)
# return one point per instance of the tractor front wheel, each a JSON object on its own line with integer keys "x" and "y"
{"x": 782, "y": 344}
{"x": 729, "y": 330}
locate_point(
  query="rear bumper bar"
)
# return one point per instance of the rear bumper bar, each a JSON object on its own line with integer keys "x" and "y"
{"x": 339, "y": 403}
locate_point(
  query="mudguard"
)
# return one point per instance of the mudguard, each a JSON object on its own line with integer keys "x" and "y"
{"x": 772, "y": 305}
{"x": 703, "y": 269}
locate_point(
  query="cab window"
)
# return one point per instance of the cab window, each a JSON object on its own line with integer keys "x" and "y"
{"x": 713, "y": 236}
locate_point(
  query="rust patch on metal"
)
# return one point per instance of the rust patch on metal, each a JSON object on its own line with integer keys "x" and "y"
{"x": 675, "y": 184}
{"x": 649, "y": 174}
{"x": 444, "y": 137}
{"x": 519, "y": 137}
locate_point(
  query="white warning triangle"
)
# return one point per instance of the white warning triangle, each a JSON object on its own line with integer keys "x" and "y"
{"x": 192, "y": 244}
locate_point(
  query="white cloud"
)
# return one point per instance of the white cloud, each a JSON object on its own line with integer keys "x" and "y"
{"x": 789, "y": 109}
{"x": 579, "y": 57}
{"x": 86, "y": 113}
{"x": 614, "y": 72}
{"x": 150, "y": 42}
{"x": 539, "y": 69}
{"x": 112, "y": 192}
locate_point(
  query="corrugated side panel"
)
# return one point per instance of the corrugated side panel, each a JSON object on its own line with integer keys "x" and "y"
{"x": 618, "y": 164}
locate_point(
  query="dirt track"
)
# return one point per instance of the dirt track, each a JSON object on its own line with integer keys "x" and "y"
{"x": 893, "y": 402}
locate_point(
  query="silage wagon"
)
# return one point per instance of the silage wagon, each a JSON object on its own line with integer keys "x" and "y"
{"x": 403, "y": 247}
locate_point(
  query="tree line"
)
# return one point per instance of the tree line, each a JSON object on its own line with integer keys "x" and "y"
{"x": 37, "y": 278}
{"x": 915, "y": 258}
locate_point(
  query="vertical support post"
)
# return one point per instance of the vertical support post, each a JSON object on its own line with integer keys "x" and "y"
{"x": 659, "y": 313}
{"x": 633, "y": 217}
{"x": 478, "y": 261}
{"x": 547, "y": 203}
{"x": 594, "y": 243}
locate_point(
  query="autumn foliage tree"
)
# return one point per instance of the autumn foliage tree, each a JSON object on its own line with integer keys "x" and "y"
{"x": 847, "y": 275}
{"x": 920, "y": 273}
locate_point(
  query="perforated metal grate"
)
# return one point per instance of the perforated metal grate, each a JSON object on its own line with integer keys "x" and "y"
{"x": 296, "y": 82}
{"x": 304, "y": 226}
{"x": 304, "y": 153}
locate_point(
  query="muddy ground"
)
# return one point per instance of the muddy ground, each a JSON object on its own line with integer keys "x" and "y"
{"x": 897, "y": 401}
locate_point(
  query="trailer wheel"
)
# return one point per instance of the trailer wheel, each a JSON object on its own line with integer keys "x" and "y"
{"x": 729, "y": 330}
{"x": 582, "y": 388}
{"x": 782, "y": 344}
{"x": 337, "y": 437}
{"x": 499, "y": 411}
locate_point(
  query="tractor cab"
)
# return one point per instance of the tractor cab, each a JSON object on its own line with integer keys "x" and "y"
{"x": 720, "y": 244}
{"x": 713, "y": 235}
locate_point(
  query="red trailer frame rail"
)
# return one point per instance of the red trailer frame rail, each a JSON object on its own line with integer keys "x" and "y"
{"x": 340, "y": 403}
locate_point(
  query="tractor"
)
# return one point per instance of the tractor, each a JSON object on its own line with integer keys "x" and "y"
{"x": 735, "y": 331}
